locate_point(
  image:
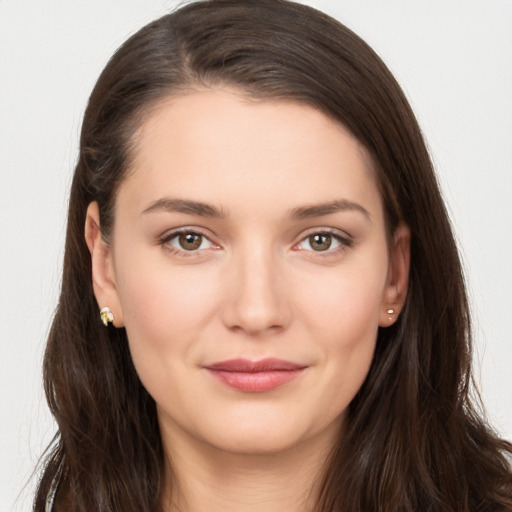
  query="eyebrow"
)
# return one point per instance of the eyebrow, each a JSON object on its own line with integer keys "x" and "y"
{"x": 207, "y": 210}
{"x": 317, "y": 210}
{"x": 184, "y": 206}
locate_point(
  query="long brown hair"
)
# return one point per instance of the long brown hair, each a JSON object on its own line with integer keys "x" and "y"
{"x": 414, "y": 441}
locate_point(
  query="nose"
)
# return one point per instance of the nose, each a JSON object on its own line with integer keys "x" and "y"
{"x": 257, "y": 296}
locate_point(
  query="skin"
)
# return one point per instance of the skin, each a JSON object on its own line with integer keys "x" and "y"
{"x": 255, "y": 288}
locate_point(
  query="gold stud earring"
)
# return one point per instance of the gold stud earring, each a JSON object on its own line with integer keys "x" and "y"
{"x": 390, "y": 311}
{"x": 106, "y": 316}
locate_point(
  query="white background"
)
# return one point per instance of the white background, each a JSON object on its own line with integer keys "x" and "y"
{"x": 454, "y": 60}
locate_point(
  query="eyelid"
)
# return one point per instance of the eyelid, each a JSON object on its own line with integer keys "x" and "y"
{"x": 342, "y": 237}
{"x": 170, "y": 235}
{"x": 345, "y": 240}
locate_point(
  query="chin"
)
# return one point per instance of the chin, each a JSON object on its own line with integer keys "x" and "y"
{"x": 255, "y": 443}
{"x": 269, "y": 434}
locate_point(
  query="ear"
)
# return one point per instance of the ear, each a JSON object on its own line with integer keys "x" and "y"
{"x": 103, "y": 275}
{"x": 395, "y": 292}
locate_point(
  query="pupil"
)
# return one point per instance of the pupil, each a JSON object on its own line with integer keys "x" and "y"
{"x": 320, "y": 242}
{"x": 190, "y": 241}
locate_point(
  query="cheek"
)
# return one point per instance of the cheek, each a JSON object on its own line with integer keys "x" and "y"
{"x": 165, "y": 310}
{"x": 346, "y": 303}
{"x": 347, "y": 322}
{"x": 164, "y": 306}
{"x": 343, "y": 317}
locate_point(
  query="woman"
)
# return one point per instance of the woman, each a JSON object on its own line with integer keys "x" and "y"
{"x": 286, "y": 325}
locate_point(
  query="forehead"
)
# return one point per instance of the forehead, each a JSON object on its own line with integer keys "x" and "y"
{"x": 220, "y": 146}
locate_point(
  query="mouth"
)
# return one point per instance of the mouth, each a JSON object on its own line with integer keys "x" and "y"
{"x": 255, "y": 376}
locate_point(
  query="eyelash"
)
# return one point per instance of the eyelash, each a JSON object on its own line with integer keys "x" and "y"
{"x": 166, "y": 239}
{"x": 344, "y": 241}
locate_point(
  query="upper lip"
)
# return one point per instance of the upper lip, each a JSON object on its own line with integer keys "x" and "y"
{"x": 248, "y": 366}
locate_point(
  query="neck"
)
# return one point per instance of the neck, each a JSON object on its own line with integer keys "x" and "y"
{"x": 204, "y": 478}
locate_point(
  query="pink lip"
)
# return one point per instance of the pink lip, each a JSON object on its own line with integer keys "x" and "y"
{"x": 255, "y": 376}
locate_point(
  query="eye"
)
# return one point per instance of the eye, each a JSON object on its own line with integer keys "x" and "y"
{"x": 188, "y": 241}
{"x": 323, "y": 242}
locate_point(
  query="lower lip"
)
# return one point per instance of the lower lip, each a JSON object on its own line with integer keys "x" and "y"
{"x": 256, "y": 382}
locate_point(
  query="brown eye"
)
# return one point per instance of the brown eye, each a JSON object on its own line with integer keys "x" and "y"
{"x": 320, "y": 241}
{"x": 324, "y": 241}
{"x": 190, "y": 241}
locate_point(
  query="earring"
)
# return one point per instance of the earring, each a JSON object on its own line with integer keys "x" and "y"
{"x": 106, "y": 316}
{"x": 390, "y": 311}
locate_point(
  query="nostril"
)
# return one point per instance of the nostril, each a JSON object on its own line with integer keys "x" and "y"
{"x": 254, "y": 319}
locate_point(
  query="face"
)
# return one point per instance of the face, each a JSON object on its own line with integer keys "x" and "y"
{"x": 250, "y": 266}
